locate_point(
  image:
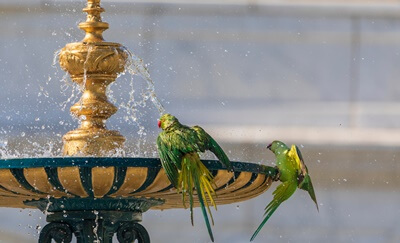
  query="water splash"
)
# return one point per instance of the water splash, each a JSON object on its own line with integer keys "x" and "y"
{"x": 85, "y": 66}
{"x": 27, "y": 147}
{"x": 135, "y": 66}
{"x": 67, "y": 84}
{"x": 140, "y": 94}
{"x": 56, "y": 58}
{"x": 82, "y": 86}
{"x": 46, "y": 211}
{"x": 3, "y": 147}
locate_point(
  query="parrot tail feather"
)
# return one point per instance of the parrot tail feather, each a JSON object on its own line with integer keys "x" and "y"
{"x": 281, "y": 194}
{"x": 268, "y": 213}
{"x": 194, "y": 175}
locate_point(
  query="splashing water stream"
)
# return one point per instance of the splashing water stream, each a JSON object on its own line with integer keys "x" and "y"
{"x": 73, "y": 97}
{"x": 137, "y": 99}
{"x": 135, "y": 66}
{"x": 55, "y": 58}
{"x": 46, "y": 211}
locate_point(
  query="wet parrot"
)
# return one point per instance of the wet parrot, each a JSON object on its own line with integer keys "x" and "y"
{"x": 178, "y": 147}
{"x": 293, "y": 173}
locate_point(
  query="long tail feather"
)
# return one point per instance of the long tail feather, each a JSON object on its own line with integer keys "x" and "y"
{"x": 281, "y": 194}
{"x": 191, "y": 197}
{"x": 270, "y": 211}
{"x": 203, "y": 208}
{"x": 194, "y": 175}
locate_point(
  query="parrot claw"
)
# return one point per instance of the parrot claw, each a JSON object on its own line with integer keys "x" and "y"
{"x": 278, "y": 175}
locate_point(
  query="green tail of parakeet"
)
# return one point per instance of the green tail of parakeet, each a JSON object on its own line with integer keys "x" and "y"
{"x": 178, "y": 146}
{"x": 195, "y": 175}
{"x": 293, "y": 173}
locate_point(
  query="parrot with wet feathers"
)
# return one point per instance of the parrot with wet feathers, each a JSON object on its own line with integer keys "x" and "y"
{"x": 293, "y": 174}
{"x": 178, "y": 147}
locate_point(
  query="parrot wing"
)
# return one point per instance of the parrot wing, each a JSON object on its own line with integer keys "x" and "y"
{"x": 172, "y": 145}
{"x": 307, "y": 186}
{"x": 170, "y": 158}
{"x": 304, "y": 179}
{"x": 178, "y": 154}
{"x": 206, "y": 142}
{"x": 281, "y": 194}
{"x": 301, "y": 168}
{"x": 183, "y": 139}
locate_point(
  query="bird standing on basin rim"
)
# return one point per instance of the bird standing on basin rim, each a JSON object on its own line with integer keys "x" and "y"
{"x": 178, "y": 147}
{"x": 293, "y": 173}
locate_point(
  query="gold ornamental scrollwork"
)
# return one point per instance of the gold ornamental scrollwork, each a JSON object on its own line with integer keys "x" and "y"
{"x": 80, "y": 59}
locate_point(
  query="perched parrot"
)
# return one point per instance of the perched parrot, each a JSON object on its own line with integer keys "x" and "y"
{"x": 293, "y": 173}
{"x": 178, "y": 147}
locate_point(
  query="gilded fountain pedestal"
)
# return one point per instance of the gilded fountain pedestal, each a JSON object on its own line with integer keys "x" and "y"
{"x": 93, "y": 64}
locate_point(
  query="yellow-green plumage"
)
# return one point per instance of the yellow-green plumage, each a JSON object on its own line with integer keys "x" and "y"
{"x": 178, "y": 146}
{"x": 293, "y": 173}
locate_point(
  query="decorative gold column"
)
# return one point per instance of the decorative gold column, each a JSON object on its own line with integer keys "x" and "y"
{"x": 93, "y": 64}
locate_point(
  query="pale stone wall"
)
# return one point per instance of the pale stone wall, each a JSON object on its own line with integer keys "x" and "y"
{"x": 232, "y": 65}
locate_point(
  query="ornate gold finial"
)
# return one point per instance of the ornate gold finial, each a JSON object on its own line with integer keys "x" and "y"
{"x": 93, "y": 64}
{"x": 93, "y": 26}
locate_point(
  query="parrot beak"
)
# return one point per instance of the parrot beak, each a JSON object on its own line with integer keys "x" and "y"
{"x": 159, "y": 124}
{"x": 269, "y": 146}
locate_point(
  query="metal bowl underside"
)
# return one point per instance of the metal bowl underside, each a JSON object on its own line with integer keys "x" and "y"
{"x": 91, "y": 177}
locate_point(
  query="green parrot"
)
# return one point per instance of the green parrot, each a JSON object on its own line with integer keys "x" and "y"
{"x": 293, "y": 173}
{"x": 178, "y": 147}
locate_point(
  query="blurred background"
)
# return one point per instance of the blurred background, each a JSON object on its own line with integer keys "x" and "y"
{"x": 319, "y": 73}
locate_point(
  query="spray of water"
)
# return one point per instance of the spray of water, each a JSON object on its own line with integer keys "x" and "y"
{"x": 26, "y": 147}
{"x": 138, "y": 99}
{"x": 132, "y": 108}
{"x": 66, "y": 84}
{"x": 135, "y": 66}
{"x": 56, "y": 58}
{"x": 46, "y": 211}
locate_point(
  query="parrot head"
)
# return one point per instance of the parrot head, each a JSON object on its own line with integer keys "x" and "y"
{"x": 166, "y": 121}
{"x": 276, "y": 146}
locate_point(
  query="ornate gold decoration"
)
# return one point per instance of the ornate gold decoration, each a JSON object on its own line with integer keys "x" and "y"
{"x": 93, "y": 64}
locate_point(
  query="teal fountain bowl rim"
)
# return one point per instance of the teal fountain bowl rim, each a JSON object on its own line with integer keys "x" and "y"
{"x": 20, "y": 163}
{"x": 127, "y": 200}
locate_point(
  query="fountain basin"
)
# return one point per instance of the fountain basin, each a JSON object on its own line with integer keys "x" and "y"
{"x": 110, "y": 179}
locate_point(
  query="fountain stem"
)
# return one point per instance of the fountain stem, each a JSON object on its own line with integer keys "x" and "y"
{"x": 93, "y": 64}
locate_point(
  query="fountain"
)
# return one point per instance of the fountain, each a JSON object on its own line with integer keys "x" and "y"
{"x": 88, "y": 192}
